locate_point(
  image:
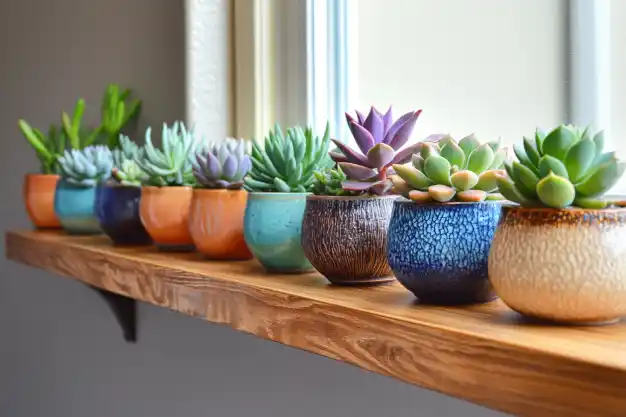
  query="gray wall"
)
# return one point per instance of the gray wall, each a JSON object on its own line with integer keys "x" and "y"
{"x": 61, "y": 353}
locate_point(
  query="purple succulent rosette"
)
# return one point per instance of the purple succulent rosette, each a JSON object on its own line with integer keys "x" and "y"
{"x": 223, "y": 165}
{"x": 379, "y": 139}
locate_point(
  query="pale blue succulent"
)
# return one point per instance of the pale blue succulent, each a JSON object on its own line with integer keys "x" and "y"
{"x": 169, "y": 165}
{"x": 86, "y": 167}
{"x": 126, "y": 170}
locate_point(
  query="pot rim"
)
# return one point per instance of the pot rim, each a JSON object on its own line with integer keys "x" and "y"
{"x": 350, "y": 197}
{"x": 504, "y": 203}
{"x": 153, "y": 187}
{"x": 218, "y": 190}
{"x": 35, "y": 175}
{"x": 565, "y": 210}
{"x": 260, "y": 194}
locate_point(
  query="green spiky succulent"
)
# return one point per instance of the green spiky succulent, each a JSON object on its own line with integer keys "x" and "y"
{"x": 79, "y": 136}
{"x": 329, "y": 182}
{"x": 126, "y": 170}
{"x": 445, "y": 170}
{"x": 86, "y": 167}
{"x": 117, "y": 112}
{"x": 47, "y": 147}
{"x": 567, "y": 167}
{"x": 287, "y": 163}
{"x": 171, "y": 165}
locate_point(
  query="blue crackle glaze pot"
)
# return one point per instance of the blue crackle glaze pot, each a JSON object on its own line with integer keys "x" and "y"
{"x": 75, "y": 207}
{"x": 117, "y": 210}
{"x": 440, "y": 251}
{"x": 273, "y": 231}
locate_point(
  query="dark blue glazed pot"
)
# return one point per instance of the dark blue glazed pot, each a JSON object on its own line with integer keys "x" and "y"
{"x": 117, "y": 210}
{"x": 74, "y": 206}
{"x": 440, "y": 251}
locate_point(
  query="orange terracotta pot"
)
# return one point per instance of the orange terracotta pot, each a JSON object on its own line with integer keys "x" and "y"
{"x": 38, "y": 193}
{"x": 164, "y": 212}
{"x": 216, "y": 223}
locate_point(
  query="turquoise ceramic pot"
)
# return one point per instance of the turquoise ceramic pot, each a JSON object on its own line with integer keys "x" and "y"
{"x": 75, "y": 208}
{"x": 273, "y": 231}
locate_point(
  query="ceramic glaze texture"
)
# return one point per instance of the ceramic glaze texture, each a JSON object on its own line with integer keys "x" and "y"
{"x": 345, "y": 238}
{"x": 440, "y": 251}
{"x": 75, "y": 208}
{"x": 273, "y": 230}
{"x": 216, "y": 223}
{"x": 117, "y": 209}
{"x": 164, "y": 212}
{"x": 561, "y": 265}
{"x": 38, "y": 193}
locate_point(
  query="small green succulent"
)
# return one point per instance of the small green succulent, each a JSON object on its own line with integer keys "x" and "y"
{"x": 116, "y": 113}
{"x": 445, "y": 170}
{"x": 567, "y": 167}
{"x": 47, "y": 147}
{"x": 172, "y": 164}
{"x": 79, "y": 136}
{"x": 287, "y": 163}
{"x": 86, "y": 167}
{"x": 329, "y": 182}
{"x": 126, "y": 170}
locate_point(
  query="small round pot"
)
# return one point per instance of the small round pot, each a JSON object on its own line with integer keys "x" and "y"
{"x": 38, "y": 193}
{"x": 440, "y": 251}
{"x": 216, "y": 223}
{"x": 345, "y": 238}
{"x": 75, "y": 207}
{"x": 565, "y": 266}
{"x": 273, "y": 231}
{"x": 164, "y": 212}
{"x": 117, "y": 210}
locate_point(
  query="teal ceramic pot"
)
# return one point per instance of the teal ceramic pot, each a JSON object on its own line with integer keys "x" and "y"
{"x": 75, "y": 208}
{"x": 439, "y": 251}
{"x": 273, "y": 231}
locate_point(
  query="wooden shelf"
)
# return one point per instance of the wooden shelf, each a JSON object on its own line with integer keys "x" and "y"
{"x": 485, "y": 354}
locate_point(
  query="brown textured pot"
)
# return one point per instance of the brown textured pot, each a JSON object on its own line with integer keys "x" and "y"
{"x": 345, "y": 238}
{"x": 567, "y": 266}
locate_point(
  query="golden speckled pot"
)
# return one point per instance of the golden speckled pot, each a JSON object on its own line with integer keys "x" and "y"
{"x": 566, "y": 266}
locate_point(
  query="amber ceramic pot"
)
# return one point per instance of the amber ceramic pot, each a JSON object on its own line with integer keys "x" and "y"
{"x": 164, "y": 212}
{"x": 216, "y": 223}
{"x": 38, "y": 192}
{"x": 566, "y": 266}
{"x": 345, "y": 238}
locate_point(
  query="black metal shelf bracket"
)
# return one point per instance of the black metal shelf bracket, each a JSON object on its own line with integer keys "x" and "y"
{"x": 125, "y": 311}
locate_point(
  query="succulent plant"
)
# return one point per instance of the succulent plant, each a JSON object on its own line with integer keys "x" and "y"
{"x": 79, "y": 136}
{"x": 563, "y": 168}
{"x": 86, "y": 167}
{"x": 170, "y": 165}
{"x": 116, "y": 113}
{"x": 329, "y": 182}
{"x": 47, "y": 147}
{"x": 287, "y": 163}
{"x": 445, "y": 170}
{"x": 222, "y": 165}
{"x": 379, "y": 139}
{"x": 126, "y": 170}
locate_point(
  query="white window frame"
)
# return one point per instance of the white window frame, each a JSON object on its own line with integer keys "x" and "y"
{"x": 295, "y": 61}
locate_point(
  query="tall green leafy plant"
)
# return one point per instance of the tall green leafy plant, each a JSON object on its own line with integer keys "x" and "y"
{"x": 48, "y": 148}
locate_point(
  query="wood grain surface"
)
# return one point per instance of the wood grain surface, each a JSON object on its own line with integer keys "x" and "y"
{"x": 485, "y": 354}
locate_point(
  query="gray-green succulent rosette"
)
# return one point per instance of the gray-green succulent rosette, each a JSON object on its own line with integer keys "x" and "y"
{"x": 564, "y": 168}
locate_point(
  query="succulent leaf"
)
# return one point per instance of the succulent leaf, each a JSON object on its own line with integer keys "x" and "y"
{"x": 222, "y": 165}
{"x": 520, "y": 153}
{"x": 441, "y": 193}
{"x": 531, "y": 152}
{"x": 558, "y": 142}
{"x": 590, "y": 203}
{"x": 487, "y": 180}
{"x": 357, "y": 172}
{"x": 525, "y": 180}
{"x": 437, "y": 168}
{"x": 419, "y": 196}
{"x": 380, "y": 155}
{"x": 498, "y": 160}
{"x": 472, "y": 196}
{"x": 413, "y": 176}
{"x": 549, "y": 164}
{"x": 480, "y": 159}
{"x": 508, "y": 189}
{"x": 86, "y": 167}
{"x": 539, "y": 137}
{"x": 555, "y": 191}
{"x": 417, "y": 161}
{"x": 453, "y": 153}
{"x": 602, "y": 179}
{"x": 464, "y": 180}
{"x": 469, "y": 143}
{"x": 579, "y": 159}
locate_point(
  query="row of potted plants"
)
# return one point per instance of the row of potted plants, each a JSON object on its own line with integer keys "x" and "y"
{"x": 455, "y": 222}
